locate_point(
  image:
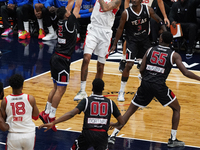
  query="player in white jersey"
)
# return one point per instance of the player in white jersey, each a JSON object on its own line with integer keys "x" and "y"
{"x": 18, "y": 109}
{"x": 98, "y": 38}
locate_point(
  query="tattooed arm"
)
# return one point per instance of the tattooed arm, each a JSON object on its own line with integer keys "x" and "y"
{"x": 110, "y": 6}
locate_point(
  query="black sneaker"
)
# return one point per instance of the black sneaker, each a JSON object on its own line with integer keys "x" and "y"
{"x": 175, "y": 143}
{"x": 122, "y": 65}
{"x": 138, "y": 65}
{"x": 111, "y": 140}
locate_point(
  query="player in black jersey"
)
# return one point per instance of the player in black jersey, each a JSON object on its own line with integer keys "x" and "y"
{"x": 60, "y": 60}
{"x": 135, "y": 20}
{"x": 155, "y": 68}
{"x": 97, "y": 110}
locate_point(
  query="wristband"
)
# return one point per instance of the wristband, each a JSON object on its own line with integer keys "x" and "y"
{"x": 35, "y": 117}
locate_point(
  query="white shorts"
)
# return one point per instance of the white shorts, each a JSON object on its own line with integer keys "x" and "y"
{"x": 19, "y": 141}
{"x": 98, "y": 41}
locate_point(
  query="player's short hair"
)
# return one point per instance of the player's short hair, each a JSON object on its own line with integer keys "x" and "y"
{"x": 1, "y": 87}
{"x": 98, "y": 85}
{"x": 61, "y": 12}
{"x": 16, "y": 81}
{"x": 167, "y": 37}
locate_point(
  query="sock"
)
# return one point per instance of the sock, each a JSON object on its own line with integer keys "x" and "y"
{"x": 47, "y": 108}
{"x": 40, "y": 23}
{"x": 123, "y": 85}
{"x": 51, "y": 30}
{"x": 83, "y": 85}
{"x": 124, "y": 57}
{"x": 52, "y": 113}
{"x": 173, "y": 134}
{"x": 115, "y": 132}
{"x": 26, "y": 26}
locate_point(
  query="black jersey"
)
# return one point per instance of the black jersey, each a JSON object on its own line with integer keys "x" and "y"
{"x": 66, "y": 36}
{"x": 137, "y": 26}
{"x": 158, "y": 64}
{"x": 98, "y": 110}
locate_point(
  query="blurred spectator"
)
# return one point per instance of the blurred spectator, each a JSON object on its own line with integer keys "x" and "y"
{"x": 13, "y": 9}
{"x": 162, "y": 9}
{"x": 43, "y": 15}
{"x": 84, "y": 18}
{"x": 2, "y": 2}
{"x": 184, "y": 12}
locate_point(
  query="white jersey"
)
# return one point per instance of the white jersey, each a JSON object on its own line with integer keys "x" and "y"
{"x": 103, "y": 19}
{"x": 19, "y": 113}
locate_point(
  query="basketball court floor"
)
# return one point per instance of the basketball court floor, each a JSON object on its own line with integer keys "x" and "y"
{"x": 147, "y": 129}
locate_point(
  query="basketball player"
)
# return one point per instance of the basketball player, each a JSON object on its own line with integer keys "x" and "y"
{"x": 61, "y": 60}
{"x": 155, "y": 68}
{"x": 98, "y": 38}
{"x": 135, "y": 20}
{"x": 3, "y": 126}
{"x": 97, "y": 110}
{"x": 18, "y": 109}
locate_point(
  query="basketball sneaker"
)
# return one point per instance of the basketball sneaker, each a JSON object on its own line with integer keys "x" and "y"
{"x": 121, "y": 96}
{"x": 7, "y": 32}
{"x": 22, "y": 35}
{"x": 41, "y": 116}
{"x": 122, "y": 65}
{"x": 50, "y": 36}
{"x": 80, "y": 95}
{"x": 111, "y": 140}
{"x": 41, "y": 33}
{"x": 175, "y": 143}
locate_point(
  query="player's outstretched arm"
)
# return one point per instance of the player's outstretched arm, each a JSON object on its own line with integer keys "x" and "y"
{"x": 178, "y": 61}
{"x": 157, "y": 18}
{"x": 119, "y": 30}
{"x": 109, "y": 6}
{"x": 162, "y": 9}
{"x": 63, "y": 118}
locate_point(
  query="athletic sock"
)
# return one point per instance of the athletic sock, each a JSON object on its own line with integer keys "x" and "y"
{"x": 40, "y": 23}
{"x": 123, "y": 85}
{"x": 173, "y": 134}
{"x": 51, "y": 30}
{"x": 83, "y": 85}
{"x": 52, "y": 113}
{"x": 115, "y": 132}
{"x": 26, "y": 26}
{"x": 124, "y": 56}
{"x": 47, "y": 108}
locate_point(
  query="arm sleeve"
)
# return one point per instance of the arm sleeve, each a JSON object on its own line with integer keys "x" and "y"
{"x": 116, "y": 112}
{"x": 81, "y": 105}
{"x": 71, "y": 22}
{"x": 86, "y": 15}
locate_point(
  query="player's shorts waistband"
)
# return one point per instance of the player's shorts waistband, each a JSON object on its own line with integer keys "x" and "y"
{"x": 62, "y": 55}
{"x": 99, "y": 130}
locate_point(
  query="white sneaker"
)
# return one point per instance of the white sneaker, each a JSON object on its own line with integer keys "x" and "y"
{"x": 50, "y": 36}
{"x": 80, "y": 95}
{"x": 121, "y": 96}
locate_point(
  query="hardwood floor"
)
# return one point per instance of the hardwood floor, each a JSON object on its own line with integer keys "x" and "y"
{"x": 150, "y": 123}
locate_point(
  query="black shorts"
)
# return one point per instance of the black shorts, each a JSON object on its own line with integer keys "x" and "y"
{"x": 136, "y": 49}
{"x": 60, "y": 69}
{"x": 147, "y": 91}
{"x": 97, "y": 140}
